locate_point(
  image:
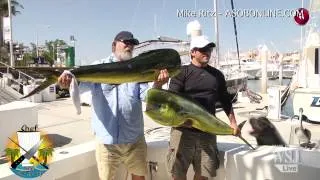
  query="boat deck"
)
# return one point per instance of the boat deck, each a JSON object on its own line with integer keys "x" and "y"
{"x": 72, "y": 133}
{"x": 60, "y": 121}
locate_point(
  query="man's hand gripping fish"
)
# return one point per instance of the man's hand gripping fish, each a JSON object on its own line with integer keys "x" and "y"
{"x": 170, "y": 109}
{"x": 143, "y": 68}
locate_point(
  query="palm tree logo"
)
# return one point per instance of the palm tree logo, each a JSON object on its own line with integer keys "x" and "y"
{"x": 38, "y": 162}
{"x": 44, "y": 153}
{"x": 13, "y": 153}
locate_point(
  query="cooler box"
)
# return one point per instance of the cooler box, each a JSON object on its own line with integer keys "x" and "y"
{"x": 274, "y": 103}
{"x": 49, "y": 94}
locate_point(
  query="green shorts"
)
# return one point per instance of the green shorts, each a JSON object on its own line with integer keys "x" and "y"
{"x": 190, "y": 146}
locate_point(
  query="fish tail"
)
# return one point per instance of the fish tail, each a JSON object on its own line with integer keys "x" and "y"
{"x": 242, "y": 124}
{"x": 49, "y": 80}
{"x": 245, "y": 141}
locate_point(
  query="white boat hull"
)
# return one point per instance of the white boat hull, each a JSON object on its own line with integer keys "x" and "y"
{"x": 307, "y": 78}
{"x": 309, "y": 100}
{"x": 236, "y": 82}
{"x": 239, "y": 163}
{"x": 252, "y": 73}
{"x": 271, "y": 74}
{"x": 288, "y": 74}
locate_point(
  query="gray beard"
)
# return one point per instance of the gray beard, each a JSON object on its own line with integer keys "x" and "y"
{"x": 125, "y": 55}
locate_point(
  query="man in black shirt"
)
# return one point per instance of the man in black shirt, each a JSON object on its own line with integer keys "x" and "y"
{"x": 205, "y": 85}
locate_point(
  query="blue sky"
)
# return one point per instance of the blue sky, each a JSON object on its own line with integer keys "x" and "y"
{"x": 94, "y": 23}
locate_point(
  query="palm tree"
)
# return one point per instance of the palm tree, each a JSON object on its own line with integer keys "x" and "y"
{"x": 48, "y": 57}
{"x": 15, "y": 5}
{"x": 12, "y": 153}
{"x": 49, "y": 54}
{"x": 44, "y": 153}
{"x": 51, "y": 50}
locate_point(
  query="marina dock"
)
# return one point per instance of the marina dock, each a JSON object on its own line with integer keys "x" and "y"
{"x": 72, "y": 133}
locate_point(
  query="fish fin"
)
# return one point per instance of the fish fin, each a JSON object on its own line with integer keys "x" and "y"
{"x": 50, "y": 80}
{"x": 163, "y": 51}
{"x": 240, "y": 126}
{"x": 146, "y": 53}
{"x": 245, "y": 141}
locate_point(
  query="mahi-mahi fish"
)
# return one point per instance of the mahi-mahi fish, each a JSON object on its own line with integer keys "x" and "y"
{"x": 171, "y": 109}
{"x": 143, "y": 68}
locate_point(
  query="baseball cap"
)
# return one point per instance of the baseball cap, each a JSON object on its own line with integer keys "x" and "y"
{"x": 201, "y": 42}
{"x": 126, "y": 36}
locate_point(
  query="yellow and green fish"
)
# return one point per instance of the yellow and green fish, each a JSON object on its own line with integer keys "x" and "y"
{"x": 170, "y": 109}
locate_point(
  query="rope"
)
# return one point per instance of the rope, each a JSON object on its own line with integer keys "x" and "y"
{"x": 253, "y": 96}
{"x": 256, "y": 98}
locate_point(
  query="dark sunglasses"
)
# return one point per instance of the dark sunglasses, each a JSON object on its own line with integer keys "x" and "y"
{"x": 128, "y": 42}
{"x": 204, "y": 49}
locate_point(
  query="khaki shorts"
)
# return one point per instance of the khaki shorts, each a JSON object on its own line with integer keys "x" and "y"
{"x": 133, "y": 156}
{"x": 188, "y": 146}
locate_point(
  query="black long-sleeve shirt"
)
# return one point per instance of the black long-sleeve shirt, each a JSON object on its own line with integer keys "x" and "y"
{"x": 205, "y": 86}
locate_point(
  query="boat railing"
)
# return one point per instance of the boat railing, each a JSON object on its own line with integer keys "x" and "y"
{"x": 19, "y": 80}
{"x": 20, "y": 72}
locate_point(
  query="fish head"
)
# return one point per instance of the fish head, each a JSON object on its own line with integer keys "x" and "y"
{"x": 162, "y": 108}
